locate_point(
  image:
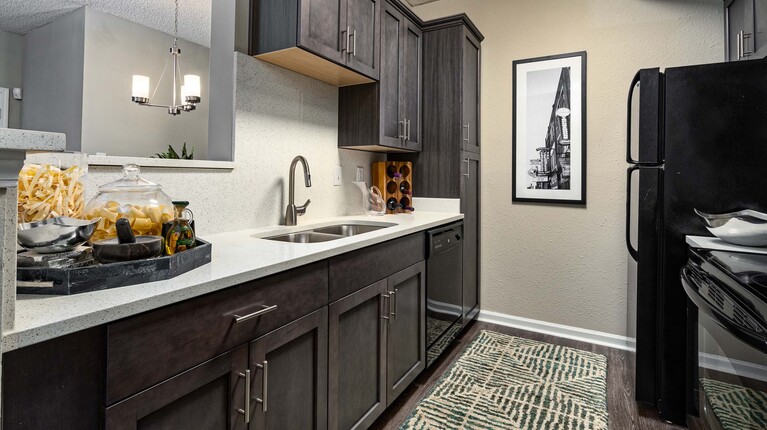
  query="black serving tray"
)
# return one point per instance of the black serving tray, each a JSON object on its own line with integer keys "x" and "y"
{"x": 57, "y": 281}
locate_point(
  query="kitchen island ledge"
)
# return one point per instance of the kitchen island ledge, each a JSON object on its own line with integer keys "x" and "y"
{"x": 237, "y": 257}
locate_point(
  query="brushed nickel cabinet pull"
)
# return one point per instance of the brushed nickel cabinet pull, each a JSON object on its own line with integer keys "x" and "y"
{"x": 266, "y": 309}
{"x": 354, "y": 39}
{"x": 744, "y": 36}
{"x": 408, "y": 129}
{"x": 387, "y": 308}
{"x": 739, "y": 41}
{"x": 246, "y": 410}
{"x": 345, "y": 36}
{"x": 264, "y": 385}
{"x": 467, "y": 139}
{"x": 402, "y": 125}
{"x": 393, "y": 311}
{"x": 468, "y": 168}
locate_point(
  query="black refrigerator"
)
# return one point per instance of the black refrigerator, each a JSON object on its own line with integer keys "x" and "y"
{"x": 697, "y": 138}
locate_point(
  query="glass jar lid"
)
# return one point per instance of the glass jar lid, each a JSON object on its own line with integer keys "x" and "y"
{"x": 131, "y": 181}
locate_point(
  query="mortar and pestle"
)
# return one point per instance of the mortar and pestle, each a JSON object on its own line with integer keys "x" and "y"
{"x": 126, "y": 246}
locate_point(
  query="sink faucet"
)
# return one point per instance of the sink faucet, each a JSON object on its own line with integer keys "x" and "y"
{"x": 292, "y": 210}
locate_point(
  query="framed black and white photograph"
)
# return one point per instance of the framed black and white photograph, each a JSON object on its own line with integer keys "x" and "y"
{"x": 4, "y": 97}
{"x": 549, "y": 129}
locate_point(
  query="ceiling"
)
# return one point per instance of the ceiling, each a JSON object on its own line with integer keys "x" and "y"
{"x": 23, "y": 16}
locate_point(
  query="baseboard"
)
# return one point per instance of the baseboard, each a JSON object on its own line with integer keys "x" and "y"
{"x": 733, "y": 366}
{"x": 559, "y": 330}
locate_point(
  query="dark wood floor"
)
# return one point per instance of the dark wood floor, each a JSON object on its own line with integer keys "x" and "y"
{"x": 624, "y": 412}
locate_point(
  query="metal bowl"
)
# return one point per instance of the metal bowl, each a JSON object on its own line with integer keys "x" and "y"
{"x": 53, "y": 235}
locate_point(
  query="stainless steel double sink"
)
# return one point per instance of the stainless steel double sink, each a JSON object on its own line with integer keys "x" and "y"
{"x": 328, "y": 233}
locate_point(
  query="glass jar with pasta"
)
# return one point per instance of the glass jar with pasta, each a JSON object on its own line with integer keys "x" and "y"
{"x": 142, "y": 202}
{"x": 51, "y": 187}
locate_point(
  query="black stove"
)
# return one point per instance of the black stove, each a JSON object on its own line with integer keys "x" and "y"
{"x": 727, "y": 313}
{"x": 743, "y": 274}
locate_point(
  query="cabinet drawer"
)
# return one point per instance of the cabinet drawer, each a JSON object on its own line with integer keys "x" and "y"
{"x": 355, "y": 270}
{"x": 149, "y": 348}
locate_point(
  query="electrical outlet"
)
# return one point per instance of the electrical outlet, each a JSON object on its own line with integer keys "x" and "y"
{"x": 338, "y": 176}
{"x": 360, "y": 174}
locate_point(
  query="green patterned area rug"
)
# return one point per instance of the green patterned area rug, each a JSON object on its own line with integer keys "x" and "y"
{"x": 506, "y": 382}
{"x": 736, "y": 408}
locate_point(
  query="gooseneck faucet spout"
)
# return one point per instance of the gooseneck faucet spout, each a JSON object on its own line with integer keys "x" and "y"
{"x": 293, "y": 212}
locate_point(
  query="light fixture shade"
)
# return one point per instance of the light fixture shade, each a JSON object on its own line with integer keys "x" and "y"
{"x": 141, "y": 86}
{"x": 191, "y": 86}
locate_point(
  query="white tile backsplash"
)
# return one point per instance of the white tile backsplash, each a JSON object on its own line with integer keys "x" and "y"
{"x": 279, "y": 114}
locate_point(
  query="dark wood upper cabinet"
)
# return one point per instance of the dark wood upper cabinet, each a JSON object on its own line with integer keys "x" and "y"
{"x": 386, "y": 116}
{"x": 210, "y": 396}
{"x": 335, "y": 41}
{"x": 745, "y": 29}
{"x": 451, "y": 106}
{"x": 406, "y": 340}
{"x": 289, "y": 379}
{"x": 364, "y": 41}
{"x": 357, "y": 358}
{"x": 470, "y": 86}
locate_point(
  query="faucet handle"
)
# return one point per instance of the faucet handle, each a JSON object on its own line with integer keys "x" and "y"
{"x": 300, "y": 210}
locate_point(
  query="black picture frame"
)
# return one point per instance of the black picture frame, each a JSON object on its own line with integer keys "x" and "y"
{"x": 546, "y": 174}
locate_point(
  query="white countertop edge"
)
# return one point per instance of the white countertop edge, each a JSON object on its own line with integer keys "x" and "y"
{"x": 45, "y": 324}
{"x": 709, "y": 242}
{"x": 117, "y": 161}
{"x": 31, "y": 140}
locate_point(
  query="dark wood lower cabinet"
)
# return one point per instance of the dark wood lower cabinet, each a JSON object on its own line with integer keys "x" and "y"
{"x": 210, "y": 396}
{"x": 470, "y": 207}
{"x": 406, "y": 341}
{"x": 339, "y": 366}
{"x": 357, "y": 358}
{"x": 289, "y": 369}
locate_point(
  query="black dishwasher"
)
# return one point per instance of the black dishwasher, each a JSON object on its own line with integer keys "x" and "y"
{"x": 444, "y": 288}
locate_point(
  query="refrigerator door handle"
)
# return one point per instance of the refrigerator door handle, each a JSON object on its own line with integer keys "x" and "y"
{"x": 632, "y": 251}
{"x": 629, "y": 110}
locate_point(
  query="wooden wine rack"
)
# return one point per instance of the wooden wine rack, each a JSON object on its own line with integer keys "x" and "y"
{"x": 391, "y": 186}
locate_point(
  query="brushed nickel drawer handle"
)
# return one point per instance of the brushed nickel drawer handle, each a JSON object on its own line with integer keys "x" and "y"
{"x": 266, "y": 309}
{"x": 246, "y": 411}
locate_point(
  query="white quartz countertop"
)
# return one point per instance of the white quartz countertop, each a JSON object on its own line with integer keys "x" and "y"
{"x": 30, "y": 140}
{"x": 237, "y": 257}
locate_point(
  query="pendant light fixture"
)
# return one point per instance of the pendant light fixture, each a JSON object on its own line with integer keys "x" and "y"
{"x": 190, "y": 87}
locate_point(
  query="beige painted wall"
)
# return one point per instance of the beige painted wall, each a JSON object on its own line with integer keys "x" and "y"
{"x": 559, "y": 264}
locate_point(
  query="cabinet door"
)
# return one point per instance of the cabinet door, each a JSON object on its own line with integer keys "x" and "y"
{"x": 392, "y": 109}
{"x": 323, "y": 28}
{"x": 357, "y": 357}
{"x": 471, "y": 85}
{"x": 363, "y": 21}
{"x": 740, "y": 29}
{"x": 210, "y": 396}
{"x": 760, "y": 29}
{"x": 470, "y": 206}
{"x": 411, "y": 90}
{"x": 289, "y": 368}
{"x": 406, "y": 341}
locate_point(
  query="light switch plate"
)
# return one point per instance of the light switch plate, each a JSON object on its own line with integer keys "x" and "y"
{"x": 338, "y": 176}
{"x": 360, "y": 174}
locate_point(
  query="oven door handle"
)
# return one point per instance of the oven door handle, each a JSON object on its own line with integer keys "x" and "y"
{"x": 757, "y": 339}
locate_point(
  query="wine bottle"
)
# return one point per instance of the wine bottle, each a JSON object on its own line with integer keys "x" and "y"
{"x": 392, "y": 172}
{"x": 404, "y": 188}
{"x": 393, "y": 205}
